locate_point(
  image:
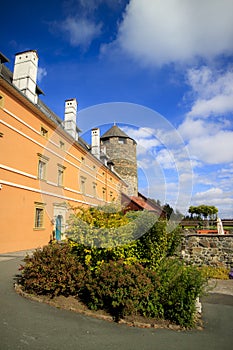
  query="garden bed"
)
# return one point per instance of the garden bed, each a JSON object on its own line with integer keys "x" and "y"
{"x": 71, "y": 303}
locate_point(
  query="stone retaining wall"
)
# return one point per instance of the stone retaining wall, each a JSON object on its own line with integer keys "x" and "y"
{"x": 208, "y": 249}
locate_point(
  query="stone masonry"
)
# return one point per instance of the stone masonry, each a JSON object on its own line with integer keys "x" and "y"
{"x": 124, "y": 158}
{"x": 208, "y": 249}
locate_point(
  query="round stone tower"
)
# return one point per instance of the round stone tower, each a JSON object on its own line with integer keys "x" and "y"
{"x": 121, "y": 149}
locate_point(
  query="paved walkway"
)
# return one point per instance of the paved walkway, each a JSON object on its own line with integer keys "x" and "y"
{"x": 26, "y": 324}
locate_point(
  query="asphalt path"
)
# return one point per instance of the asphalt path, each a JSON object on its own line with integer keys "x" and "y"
{"x": 26, "y": 324}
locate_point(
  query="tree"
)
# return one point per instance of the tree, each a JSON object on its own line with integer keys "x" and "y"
{"x": 191, "y": 211}
{"x": 168, "y": 210}
{"x": 203, "y": 211}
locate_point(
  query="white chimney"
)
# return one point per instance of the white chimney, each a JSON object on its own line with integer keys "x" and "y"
{"x": 95, "y": 142}
{"x": 25, "y": 73}
{"x": 71, "y": 117}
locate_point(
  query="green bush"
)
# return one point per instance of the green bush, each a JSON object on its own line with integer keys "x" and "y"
{"x": 123, "y": 290}
{"x": 180, "y": 286}
{"x": 158, "y": 242}
{"x": 221, "y": 273}
{"x": 100, "y": 235}
{"x": 169, "y": 293}
{"x": 102, "y": 228}
{"x": 119, "y": 263}
{"x": 93, "y": 258}
{"x": 53, "y": 271}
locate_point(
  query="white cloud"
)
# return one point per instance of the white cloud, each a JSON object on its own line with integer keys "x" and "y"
{"x": 144, "y": 137}
{"x": 226, "y": 172}
{"x": 214, "y": 149}
{"x": 143, "y": 145}
{"x": 216, "y": 105}
{"x": 80, "y": 31}
{"x": 91, "y": 5}
{"x": 41, "y": 73}
{"x": 206, "y": 129}
{"x": 166, "y": 159}
{"x": 213, "y": 92}
{"x": 138, "y": 133}
{"x": 192, "y": 128}
{"x": 160, "y": 32}
{"x": 216, "y": 196}
{"x": 210, "y": 193}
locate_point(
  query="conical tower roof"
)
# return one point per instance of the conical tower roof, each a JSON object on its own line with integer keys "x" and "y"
{"x": 115, "y": 131}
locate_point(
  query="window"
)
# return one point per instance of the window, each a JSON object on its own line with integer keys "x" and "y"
{"x": 44, "y": 132}
{"x": 42, "y": 164}
{"x": 41, "y": 170}
{"x": 104, "y": 193}
{"x": 94, "y": 189}
{"x": 39, "y": 215}
{"x": 60, "y": 174}
{"x": 62, "y": 145}
{"x": 83, "y": 185}
{"x": 60, "y": 177}
{"x": 121, "y": 140}
{"x": 1, "y": 101}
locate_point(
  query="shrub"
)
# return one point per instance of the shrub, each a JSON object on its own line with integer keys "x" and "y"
{"x": 105, "y": 226}
{"x": 101, "y": 227}
{"x": 119, "y": 263}
{"x": 123, "y": 290}
{"x": 156, "y": 244}
{"x": 133, "y": 237}
{"x": 180, "y": 286}
{"x": 170, "y": 292}
{"x": 93, "y": 258}
{"x": 53, "y": 271}
{"x": 215, "y": 272}
{"x": 118, "y": 287}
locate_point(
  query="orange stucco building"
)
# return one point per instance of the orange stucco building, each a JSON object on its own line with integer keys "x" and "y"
{"x": 46, "y": 169}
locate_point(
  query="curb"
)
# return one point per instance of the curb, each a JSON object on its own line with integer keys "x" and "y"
{"x": 136, "y": 324}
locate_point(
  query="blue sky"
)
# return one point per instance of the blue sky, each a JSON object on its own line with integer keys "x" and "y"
{"x": 161, "y": 69}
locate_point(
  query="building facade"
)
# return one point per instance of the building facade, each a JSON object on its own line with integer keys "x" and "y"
{"x": 46, "y": 169}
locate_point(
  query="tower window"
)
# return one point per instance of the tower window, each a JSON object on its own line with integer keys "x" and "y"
{"x": 121, "y": 140}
